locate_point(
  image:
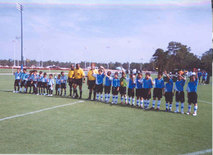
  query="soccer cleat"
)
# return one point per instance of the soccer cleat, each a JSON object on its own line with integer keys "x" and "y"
{"x": 37, "y": 94}
{"x": 194, "y": 114}
{"x": 188, "y": 113}
{"x": 152, "y": 108}
{"x": 157, "y": 109}
{"x": 14, "y": 91}
{"x": 176, "y": 111}
{"x": 167, "y": 109}
{"x": 112, "y": 102}
{"x": 182, "y": 112}
{"x": 142, "y": 107}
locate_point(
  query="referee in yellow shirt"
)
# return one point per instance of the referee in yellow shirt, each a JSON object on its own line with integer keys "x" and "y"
{"x": 71, "y": 78}
{"x": 91, "y": 81}
{"x": 78, "y": 80}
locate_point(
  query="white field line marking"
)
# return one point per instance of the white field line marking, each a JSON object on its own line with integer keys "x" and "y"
{"x": 199, "y": 152}
{"x": 204, "y": 101}
{"x": 37, "y": 111}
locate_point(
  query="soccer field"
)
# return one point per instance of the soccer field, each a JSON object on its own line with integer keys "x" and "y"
{"x": 65, "y": 125}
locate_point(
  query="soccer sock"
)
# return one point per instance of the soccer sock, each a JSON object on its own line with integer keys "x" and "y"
{"x": 153, "y": 103}
{"x": 97, "y": 96}
{"x": 148, "y": 101}
{"x": 94, "y": 94}
{"x": 105, "y": 97}
{"x": 137, "y": 102}
{"x": 166, "y": 105}
{"x": 108, "y": 98}
{"x": 195, "y": 108}
{"x": 122, "y": 98}
{"x": 158, "y": 106}
{"x": 65, "y": 91}
{"x": 189, "y": 108}
{"x": 145, "y": 103}
{"x": 141, "y": 102}
{"x": 170, "y": 106}
{"x": 125, "y": 99}
{"x": 71, "y": 92}
{"x": 116, "y": 99}
{"x": 177, "y": 106}
{"x": 129, "y": 100}
{"x": 182, "y": 107}
{"x": 101, "y": 97}
{"x": 133, "y": 101}
{"x": 113, "y": 98}
{"x": 20, "y": 89}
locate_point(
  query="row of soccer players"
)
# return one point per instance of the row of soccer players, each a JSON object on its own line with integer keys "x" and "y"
{"x": 143, "y": 88}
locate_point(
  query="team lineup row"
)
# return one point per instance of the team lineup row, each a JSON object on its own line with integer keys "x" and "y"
{"x": 99, "y": 81}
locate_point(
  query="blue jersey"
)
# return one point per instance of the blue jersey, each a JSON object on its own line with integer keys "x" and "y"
{"x": 139, "y": 83}
{"x": 131, "y": 84}
{"x": 35, "y": 77}
{"x": 159, "y": 83}
{"x": 108, "y": 82}
{"x": 27, "y": 77}
{"x": 192, "y": 86}
{"x": 199, "y": 74}
{"x": 64, "y": 79}
{"x": 115, "y": 82}
{"x": 39, "y": 79}
{"x": 99, "y": 78}
{"x": 169, "y": 86}
{"x": 179, "y": 85}
{"x": 50, "y": 82}
{"x": 147, "y": 83}
{"x": 44, "y": 79}
{"x": 23, "y": 76}
{"x": 31, "y": 77}
{"x": 57, "y": 81}
{"x": 17, "y": 75}
{"x": 205, "y": 76}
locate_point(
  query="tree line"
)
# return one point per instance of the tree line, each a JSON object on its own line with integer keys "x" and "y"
{"x": 176, "y": 57}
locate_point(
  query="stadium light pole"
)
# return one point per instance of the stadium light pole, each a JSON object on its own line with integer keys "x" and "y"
{"x": 20, "y": 8}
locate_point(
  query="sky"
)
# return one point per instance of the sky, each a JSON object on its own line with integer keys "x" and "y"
{"x": 103, "y": 30}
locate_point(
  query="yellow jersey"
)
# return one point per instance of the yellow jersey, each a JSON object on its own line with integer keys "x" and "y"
{"x": 70, "y": 74}
{"x": 90, "y": 72}
{"x": 78, "y": 73}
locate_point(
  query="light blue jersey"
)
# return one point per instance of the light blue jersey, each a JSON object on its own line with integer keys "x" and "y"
{"x": 108, "y": 82}
{"x": 179, "y": 85}
{"x": 64, "y": 79}
{"x": 17, "y": 75}
{"x": 99, "y": 78}
{"x": 40, "y": 78}
{"x": 192, "y": 86}
{"x": 159, "y": 83}
{"x": 45, "y": 79}
{"x": 51, "y": 82}
{"x": 115, "y": 82}
{"x": 147, "y": 83}
{"x": 23, "y": 76}
{"x": 131, "y": 84}
{"x": 57, "y": 81}
{"x": 139, "y": 83}
{"x": 169, "y": 86}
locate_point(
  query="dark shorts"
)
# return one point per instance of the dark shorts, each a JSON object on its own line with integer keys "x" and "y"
{"x": 71, "y": 81}
{"x": 91, "y": 84}
{"x": 44, "y": 84}
{"x": 28, "y": 83}
{"x": 16, "y": 83}
{"x": 39, "y": 84}
{"x": 157, "y": 93}
{"x": 23, "y": 83}
{"x": 107, "y": 89}
{"x": 131, "y": 92}
{"x": 179, "y": 96}
{"x": 123, "y": 90}
{"x": 78, "y": 82}
{"x": 34, "y": 84}
{"x": 192, "y": 97}
{"x": 114, "y": 91}
{"x": 168, "y": 97}
{"x": 99, "y": 88}
{"x": 146, "y": 94}
{"x": 57, "y": 86}
{"x": 63, "y": 86}
{"x": 139, "y": 92}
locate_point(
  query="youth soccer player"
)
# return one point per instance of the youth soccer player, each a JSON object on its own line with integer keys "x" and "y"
{"x": 58, "y": 84}
{"x": 107, "y": 87}
{"x": 199, "y": 75}
{"x": 23, "y": 80}
{"x": 17, "y": 80}
{"x": 204, "y": 78}
{"x": 50, "y": 85}
{"x": 35, "y": 77}
{"x": 63, "y": 83}
{"x": 99, "y": 83}
{"x": 168, "y": 92}
{"x": 192, "y": 93}
{"x": 71, "y": 78}
{"x": 179, "y": 93}
{"x": 79, "y": 79}
{"x": 147, "y": 85}
{"x": 39, "y": 84}
{"x": 123, "y": 85}
{"x": 91, "y": 81}
{"x": 29, "y": 78}
{"x": 158, "y": 91}
{"x": 115, "y": 88}
{"x": 139, "y": 89}
{"x": 44, "y": 84}
{"x": 131, "y": 90}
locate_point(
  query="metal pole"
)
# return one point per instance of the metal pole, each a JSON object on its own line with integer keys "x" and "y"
{"x": 21, "y": 38}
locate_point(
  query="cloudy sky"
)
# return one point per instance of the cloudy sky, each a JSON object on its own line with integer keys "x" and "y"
{"x": 103, "y": 30}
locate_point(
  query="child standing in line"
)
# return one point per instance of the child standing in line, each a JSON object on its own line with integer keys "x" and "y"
{"x": 131, "y": 91}
{"x": 17, "y": 80}
{"x": 58, "y": 84}
{"x": 107, "y": 87}
{"x": 123, "y": 85}
{"x": 115, "y": 88}
{"x": 39, "y": 85}
{"x": 168, "y": 92}
{"x": 147, "y": 85}
{"x": 44, "y": 84}
{"x": 139, "y": 90}
{"x": 63, "y": 83}
{"x": 50, "y": 85}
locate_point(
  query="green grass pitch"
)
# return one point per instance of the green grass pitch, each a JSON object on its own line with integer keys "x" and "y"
{"x": 94, "y": 127}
